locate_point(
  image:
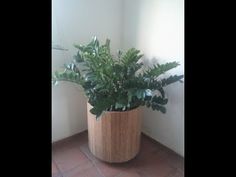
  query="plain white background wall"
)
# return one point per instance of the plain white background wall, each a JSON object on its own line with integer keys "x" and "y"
{"x": 156, "y": 27}
{"x": 76, "y": 21}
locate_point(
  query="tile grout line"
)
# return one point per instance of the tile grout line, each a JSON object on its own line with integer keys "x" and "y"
{"x": 99, "y": 171}
{"x": 68, "y": 170}
{"x": 60, "y": 173}
{"x": 119, "y": 174}
{"x": 71, "y": 169}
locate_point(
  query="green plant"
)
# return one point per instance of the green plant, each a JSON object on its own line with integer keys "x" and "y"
{"x": 115, "y": 83}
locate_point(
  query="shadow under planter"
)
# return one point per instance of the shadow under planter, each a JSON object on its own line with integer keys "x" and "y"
{"x": 115, "y": 137}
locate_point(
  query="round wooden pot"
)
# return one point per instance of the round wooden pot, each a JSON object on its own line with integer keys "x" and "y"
{"x": 115, "y": 137}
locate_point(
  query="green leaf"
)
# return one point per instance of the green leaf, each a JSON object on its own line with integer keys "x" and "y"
{"x": 159, "y": 100}
{"x": 130, "y": 95}
{"x": 158, "y": 108}
{"x": 54, "y": 82}
{"x": 153, "y": 107}
{"x": 108, "y": 43}
{"x": 142, "y": 103}
{"x": 80, "y": 47}
{"x": 160, "y": 69}
{"x": 139, "y": 94}
{"x": 148, "y": 104}
{"x": 119, "y": 54}
{"x": 121, "y": 101}
{"x": 171, "y": 80}
{"x": 96, "y": 112}
{"x": 78, "y": 58}
{"x": 161, "y": 90}
{"x": 131, "y": 56}
{"x": 119, "y": 105}
{"x": 56, "y": 74}
{"x": 117, "y": 68}
{"x": 71, "y": 76}
{"x": 162, "y": 109}
{"x": 88, "y": 85}
{"x": 147, "y": 98}
{"x": 64, "y": 75}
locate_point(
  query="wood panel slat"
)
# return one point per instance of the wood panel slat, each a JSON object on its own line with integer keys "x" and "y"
{"x": 115, "y": 137}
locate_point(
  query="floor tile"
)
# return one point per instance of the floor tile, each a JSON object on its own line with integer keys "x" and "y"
{"x": 176, "y": 173}
{"x": 106, "y": 168}
{"x": 149, "y": 146}
{"x": 85, "y": 149}
{"x": 131, "y": 173}
{"x": 67, "y": 159}
{"x": 72, "y": 158}
{"x": 173, "y": 159}
{"x": 157, "y": 170}
{"x": 109, "y": 170}
{"x": 55, "y": 171}
{"x": 154, "y": 165}
{"x": 89, "y": 171}
{"x": 71, "y": 142}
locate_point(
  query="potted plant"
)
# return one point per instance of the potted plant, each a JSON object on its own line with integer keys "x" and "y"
{"x": 116, "y": 87}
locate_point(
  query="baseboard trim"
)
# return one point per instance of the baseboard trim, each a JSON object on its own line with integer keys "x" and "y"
{"x": 68, "y": 138}
{"x": 85, "y": 131}
{"x": 157, "y": 142}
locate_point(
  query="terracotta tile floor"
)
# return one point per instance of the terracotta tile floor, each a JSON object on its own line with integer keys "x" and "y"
{"x": 72, "y": 158}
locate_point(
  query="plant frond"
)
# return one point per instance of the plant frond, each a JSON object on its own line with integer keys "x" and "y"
{"x": 171, "y": 79}
{"x": 158, "y": 69}
{"x": 116, "y": 84}
{"x": 131, "y": 57}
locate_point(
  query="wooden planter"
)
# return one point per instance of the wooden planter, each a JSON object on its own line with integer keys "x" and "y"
{"x": 115, "y": 137}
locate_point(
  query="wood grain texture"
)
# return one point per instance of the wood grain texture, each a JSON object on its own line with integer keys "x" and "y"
{"x": 115, "y": 137}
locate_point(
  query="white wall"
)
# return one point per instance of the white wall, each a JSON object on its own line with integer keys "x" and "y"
{"x": 76, "y": 21}
{"x": 156, "y": 27}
